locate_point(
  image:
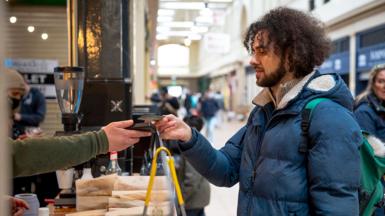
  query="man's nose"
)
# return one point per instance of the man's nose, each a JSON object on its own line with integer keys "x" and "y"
{"x": 254, "y": 60}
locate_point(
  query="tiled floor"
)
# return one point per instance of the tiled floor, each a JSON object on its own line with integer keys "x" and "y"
{"x": 223, "y": 200}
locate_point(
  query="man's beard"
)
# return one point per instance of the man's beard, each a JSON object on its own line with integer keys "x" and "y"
{"x": 273, "y": 78}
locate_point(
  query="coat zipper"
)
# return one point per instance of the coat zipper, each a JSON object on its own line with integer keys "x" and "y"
{"x": 254, "y": 173}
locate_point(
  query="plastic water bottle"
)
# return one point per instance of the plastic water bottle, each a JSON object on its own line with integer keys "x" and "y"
{"x": 113, "y": 166}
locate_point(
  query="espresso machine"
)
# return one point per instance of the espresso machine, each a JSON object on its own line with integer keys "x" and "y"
{"x": 96, "y": 88}
{"x": 100, "y": 43}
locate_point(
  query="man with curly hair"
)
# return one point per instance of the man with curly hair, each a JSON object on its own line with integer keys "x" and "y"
{"x": 275, "y": 177}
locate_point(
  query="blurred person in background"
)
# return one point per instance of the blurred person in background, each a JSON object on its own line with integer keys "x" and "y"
{"x": 195, "y": 98}
{"x": 195, "y": 188}
{"x": 370, "y": 105}
{"x": 220, "y": 116}
{"x": 26, "y": 121}
{"x": 370, "y": 108}
{"x": 47, "y": 154}
{"x": 168, "y": 104}
{"x": 188, "y": 102}
{"x": 275, "y": 177}
{"x": 209, "y": 109}
{"x": 31, "y": 112}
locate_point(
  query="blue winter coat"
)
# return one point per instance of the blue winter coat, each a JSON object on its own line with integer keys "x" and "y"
{"x": 370, "y": 115}
{"x": 274, "y": 178}
{"x": 32, "y": 110}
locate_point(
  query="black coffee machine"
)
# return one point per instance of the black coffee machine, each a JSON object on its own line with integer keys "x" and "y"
{"x": 100, "y": 44}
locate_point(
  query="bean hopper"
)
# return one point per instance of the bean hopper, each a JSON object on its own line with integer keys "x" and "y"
{"x": 69, "y": 83}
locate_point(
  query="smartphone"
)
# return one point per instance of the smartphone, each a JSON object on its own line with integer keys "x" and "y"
{"x": 143, "y": 126}
{"x": 150, "y": 117}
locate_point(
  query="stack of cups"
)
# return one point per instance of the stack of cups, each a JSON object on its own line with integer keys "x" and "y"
{"x": 32, "y": 201}
{"x": 44, "y": 211}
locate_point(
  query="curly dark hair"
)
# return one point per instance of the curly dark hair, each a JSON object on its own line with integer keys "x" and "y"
{"x": 297, "y": 34}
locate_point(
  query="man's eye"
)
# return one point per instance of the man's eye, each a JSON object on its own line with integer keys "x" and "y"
{"x": 261, "y": 51}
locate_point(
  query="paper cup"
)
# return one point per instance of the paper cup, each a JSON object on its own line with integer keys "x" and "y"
{"x": 65, "y": 178}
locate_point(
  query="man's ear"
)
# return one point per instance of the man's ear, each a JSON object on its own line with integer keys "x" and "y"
{"x": 286, "y": 64}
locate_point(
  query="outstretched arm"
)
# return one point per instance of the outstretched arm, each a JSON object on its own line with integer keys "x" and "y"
{"x": 220, "y": 167}
{"x": 38, "y": 155}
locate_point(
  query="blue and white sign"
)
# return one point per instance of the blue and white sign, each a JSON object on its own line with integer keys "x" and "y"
{"x": 37, "y": 72}
{"x": 370, "y": 56}
{"x": 338, "y": 63}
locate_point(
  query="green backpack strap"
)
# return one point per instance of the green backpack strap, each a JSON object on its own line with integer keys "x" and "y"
{"x": 305, "y": 123}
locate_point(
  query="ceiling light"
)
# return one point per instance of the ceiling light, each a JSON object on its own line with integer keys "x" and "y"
{"x": 162, "y": 29}
{"x": 204, "y": 19}
{"x": 191, "y": 35}
{"x": 206, "y": 12}
{"x": 199, "y": 29}
{"x": 12, "y": 19}
{"x": 217, "y": 5}
{"x": 44, "y": 36}
{"x": 177, "y": 33}
{"x": 187, "y": 24}
{"x": 165, "y": 12}
{"x": 195, "y": 37}
{"x": 164, "y": 19}
{"x": 183, "y": 5}
{"x": 161, "y": 37}
{"x": 226, "y": 1}
{"x": 31, "y": 28}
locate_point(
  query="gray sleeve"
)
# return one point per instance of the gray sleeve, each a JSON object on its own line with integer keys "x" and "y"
{"x": 39, "y": 155}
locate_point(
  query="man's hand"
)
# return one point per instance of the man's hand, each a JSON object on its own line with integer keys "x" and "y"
{"x": 173, "y": 128}
{"x": 18, "y": 206}
{"x": 120, "y": 138}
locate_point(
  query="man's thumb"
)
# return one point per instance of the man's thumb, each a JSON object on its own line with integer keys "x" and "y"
{"x": 124, "y": 124}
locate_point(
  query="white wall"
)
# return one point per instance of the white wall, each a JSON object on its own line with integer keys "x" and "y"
{"x": 331, "y": 12}
{"x": 138, "y": 52}
{"x": 22, "y": 44}
{"x": 355, "y": 26}
{"x": 335, "y": 10}
{"x": 210, "y": 62}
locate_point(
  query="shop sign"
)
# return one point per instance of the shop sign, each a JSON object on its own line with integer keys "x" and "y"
{"x": 217, "y": 43}
{"x": 37, "y": 72}
{"x": 370, "y": 56}
{"x": 338, "y": 63}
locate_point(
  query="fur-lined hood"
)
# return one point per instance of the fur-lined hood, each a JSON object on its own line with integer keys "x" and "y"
{"x": 314, "y": 85}
{"x": 377, "y": 145}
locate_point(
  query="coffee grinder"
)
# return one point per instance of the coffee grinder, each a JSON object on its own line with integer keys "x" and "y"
{"x": 69, "y": 83}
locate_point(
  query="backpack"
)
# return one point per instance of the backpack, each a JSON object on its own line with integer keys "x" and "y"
{"x": 371, "y": 192}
